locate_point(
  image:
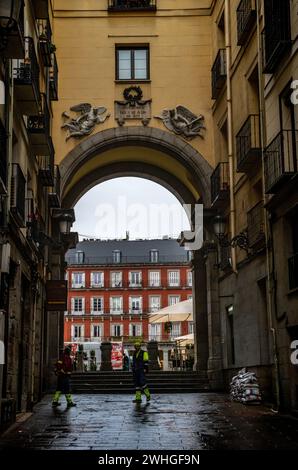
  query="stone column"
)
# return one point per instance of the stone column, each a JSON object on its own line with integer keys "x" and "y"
{"x": 106, "y": 353}
{"x": 200, "y": 313}
{"x": 215, "y": 364}
{"x": 165, "y": 359}
{"x": 152, "y": 348}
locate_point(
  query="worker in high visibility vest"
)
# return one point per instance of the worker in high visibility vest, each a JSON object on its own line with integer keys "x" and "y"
{"x": 139, "y": 369}
{"x": 63, "y": 371}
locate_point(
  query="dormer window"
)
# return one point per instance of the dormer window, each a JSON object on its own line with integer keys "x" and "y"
{"x": 154, "y": 255}
{"x": 80, "y": 257}
{"x": 116, "y": 256}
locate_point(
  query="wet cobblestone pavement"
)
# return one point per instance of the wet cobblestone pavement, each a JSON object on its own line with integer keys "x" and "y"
{"x": 179, "y": 421}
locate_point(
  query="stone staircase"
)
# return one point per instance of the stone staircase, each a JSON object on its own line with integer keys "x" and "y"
{"x": 122, "y": 382}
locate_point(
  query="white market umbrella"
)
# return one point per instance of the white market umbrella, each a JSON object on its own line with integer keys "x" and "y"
{"x": 182, "y": 311}
{"x": 185, "y": 340}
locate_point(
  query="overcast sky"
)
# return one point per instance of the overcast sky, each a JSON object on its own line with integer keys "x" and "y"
{"x": 143, "y": 208}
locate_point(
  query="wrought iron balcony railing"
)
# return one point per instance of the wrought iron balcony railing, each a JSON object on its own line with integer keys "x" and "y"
{"x": 53, "y": 78}
{"x": 46, "y": 170}
{"x": 280, "y": 160}
{"x": 220, "y": 185}
{"x": 131, "y": 5}
{"x": 256, "y": 227}
{"x": 45, "y": 40}
{"x": 54, "y": 193}
{"x": 218, "y": 73}
{"x": 38, "y": 128}
{"x": 293, "y": 272}
{"x": 248, "y": 144}
{"x": 26, "y": 80}
{"x": 12, "y": 46}
{"x": 3, "y": 159}
{"x": 246, "y": 18}
{"x": 276, "y": 34}
{"x": 18, "y": 191}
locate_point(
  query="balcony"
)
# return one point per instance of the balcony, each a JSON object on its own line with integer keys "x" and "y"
{"x": 256, "y": 227}
{"x": 135, "y": 285}
{"x": 131, "y": 5}
{"x": 280, "y": 160}
{"x": 246, "y": 18}
{"x": 53, "y": 78}
{"x": 41, "y": 8}
{"x": 218, "y": 73}
{"x": 248, "y": 145}
{"x": 3, "y": 160}
{"x": 293, "y": 272}
{"x": 26, "y": 80}
{"x": 18, "y": 191}
{"x": 45, "y": 41}
{"x": 135, "y": 311}
{"x": 14, "y": 46}
{"x": 38, "y": 129}
{"x": 46, "y": 170}
{"x": 34, "y": 222}
{"x": 220, "y": 188}
{"x": 276, "y": 34}
{"x": 54, "y": 193}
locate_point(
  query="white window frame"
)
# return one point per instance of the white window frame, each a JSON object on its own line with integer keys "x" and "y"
{"x": 178, "y": 297}
{"x": 75, "y": 311}
{"x": 97, "y": 284}
{"x": 132, "y": 298}
{"x": 153, "y": 309}
{"x": 114, "y": 282}
{"x": 155, "y": 331}
{"x": 176, "y": 329}
{"x": 134, "y": 283}
{"x": 154, "y": 256}
{"x": 138, "y": 327}
{"x": 189, "y": 278}
{"x": 117, "y": 310}
{"x": 92, "y": 309}
{"x": 117, "y": 256}
{"x": 191, "y": 327}
{"x": 99, "y": 326}
{"x": 113, "y": 325}
{"x": 82, "y": 335}
{"x": 154, "y": 279}
{"x": 171, "y": 281}
{"x": 79, "y": 284}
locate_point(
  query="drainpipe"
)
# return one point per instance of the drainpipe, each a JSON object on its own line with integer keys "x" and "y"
{"x": 268, "y": 234}
{"x": 230, "y": 131}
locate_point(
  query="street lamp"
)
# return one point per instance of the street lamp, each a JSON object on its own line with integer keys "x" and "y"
{"x": 65, "y": 218}
{"x": 220, "y": 226}
{"x": 9, "y": 16}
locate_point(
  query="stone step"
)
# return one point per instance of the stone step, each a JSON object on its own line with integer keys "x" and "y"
{"x": 122, "y": 382}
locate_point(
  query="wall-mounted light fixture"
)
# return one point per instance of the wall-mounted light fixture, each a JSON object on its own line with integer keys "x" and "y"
{"x": 220, "y": 227}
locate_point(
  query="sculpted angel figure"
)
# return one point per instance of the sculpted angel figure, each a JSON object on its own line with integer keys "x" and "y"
{"x": 85, "y": 123}
{"x": 182, "y": 121}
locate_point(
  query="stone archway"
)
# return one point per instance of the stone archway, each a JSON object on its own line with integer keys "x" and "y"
{"x": 166, "y": 159}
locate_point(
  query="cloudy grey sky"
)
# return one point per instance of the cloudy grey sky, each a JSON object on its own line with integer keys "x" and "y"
{"x": 143, "y": 208}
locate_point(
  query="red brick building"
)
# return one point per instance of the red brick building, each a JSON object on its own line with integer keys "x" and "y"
{"x": 113, "y": 285}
